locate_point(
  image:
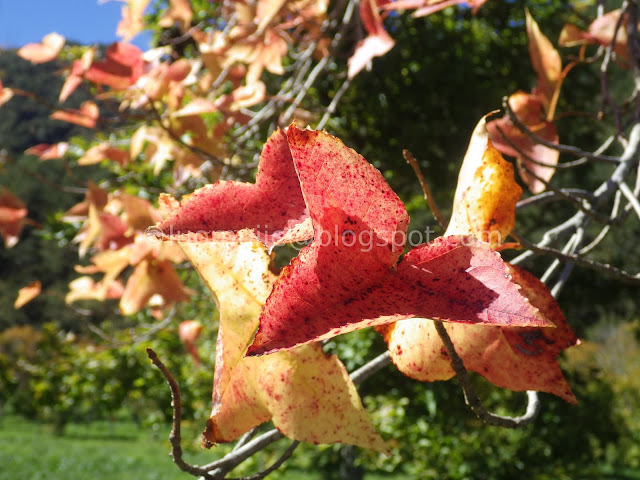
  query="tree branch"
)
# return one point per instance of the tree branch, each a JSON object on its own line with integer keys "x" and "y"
{"x": 471, "y": 397}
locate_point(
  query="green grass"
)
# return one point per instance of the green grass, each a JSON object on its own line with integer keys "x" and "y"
{"x": 119, "y": 451}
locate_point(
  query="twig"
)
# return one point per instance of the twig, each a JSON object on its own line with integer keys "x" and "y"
{"x": 370, "y": 368}
{"x": 174, "y": 437}
{"x": 471, "y": 397}
{"x": 554, "y": 146}
{"x": 626, "y": 191}
{"x": 334, "y": 103}
{"x": 428, "y": 196}
{"x": 609, "y": 270}
{"x": 283, "y": 458}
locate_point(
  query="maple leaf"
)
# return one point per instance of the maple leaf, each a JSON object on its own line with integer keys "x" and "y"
{"x": 27, "y": 293}
{"x": 348, "y": 279}
{"x": 86, "y": 288}
{"x": 271, "y": 210}
{"x": 152, "y": 277}
{"x": 86, "y": 116}
{"x": 600, "y": 32}
{"x": 121, "y": 68}
{"x": 179, "y": 12}
{"x": 132, "y": 21}
{"x": 104, "y": 151}
{"x": 519, "y": 359}
{"x": 530, "y": 111}
{"x": 13, "y": 216}
{"x": 45, "y": 151}
{"x": 307, "y": 393}
{"x": 76, "y": 75}
{"x": 376, "y": 44}
{"x": 486, "y": 194}
{"x": 536, "y": 112}
{"x": 6, "y": 94}
{"x": 545, "y": 60}
{"x": 188, "y": 332}
{"x": 427, "y": 7}
{"x": 45, "y": 51}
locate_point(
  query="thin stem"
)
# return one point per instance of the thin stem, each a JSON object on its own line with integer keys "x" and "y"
{"x": 428, "y": 196}
{"x": 471, "y": 397}
{"x": 554, "y": 146}
{"x": 175, "y": 436}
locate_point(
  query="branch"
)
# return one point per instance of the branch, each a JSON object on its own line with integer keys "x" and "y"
{"x": 605, "y": 268}
{"x": 554, "y": 146}
{"x": 471, "y": 397}
{"x": 428, "y": 196}
{"x": 174, "y": 437}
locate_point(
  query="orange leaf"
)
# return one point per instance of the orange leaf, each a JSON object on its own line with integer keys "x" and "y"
{"x": 149, "y": 278}
{"x": 132, "y": 19}
{"x": 121, "y": 68}
{"x": 86, "y": 116}
{"x": 13, "y": 214}
{"x": 5, "y": 94}
{"x": 376, "y": 44}
{"x": 514, "y": 358}
{"x": 306, "y": 393}
{"x": 46, "y": 151}
{"x": 529, "y": 110}
{"x": 189, "y": 331}
{"x": 179, "y": 12}
{"x": 45, "y": 51}
{"x": 28, "y": 293}
{"x": 545, "y": 59}
{"x": 486, "y": 195}
{"x": 600, "y": 32}
{"x": 104, "y": 151}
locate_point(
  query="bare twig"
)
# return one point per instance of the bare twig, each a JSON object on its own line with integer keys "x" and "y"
{"x": 554, "y": 146}
{"x": 174, "y": 437}
{"x": 471, "y": 397}
{"x": 428, "y": 196}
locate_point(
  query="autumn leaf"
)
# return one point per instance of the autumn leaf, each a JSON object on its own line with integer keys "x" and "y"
{"x": 76, "y": 74}
{"x": 522, "y": 358}
{"x": 515, "y": 358}
{"x": 132, "y": 21}
{"x": 376, "y": 44}
{"x": 149, "y": 278}
{"x": 307, "y": 393}
{"x": 424, "y": 8}
{"x": 95, "y": 196}
{"x": 121, "y": 68}
{"x": 600, "y": 32}
{"x": 179, "y": 12}
{"x": 86, "y": 116}
{"x": 6, "y": 94}
{"x": 347, "y": 278}
{"x": 13, "y": 216}
{"x": 104, "y": 151}
{"x": 530, "y": 111}
{"x": 28, "y": 293}
{"x": 545, "y": 60}
{"x": 188, "y": 332}
{"x": 45, "y": 51}
{"x": 45, "y": 151}
{"x": 486, "y": 193}
{"x": 86, "y": 288}
{"x": 536, "y": 163}
{"x": 272, "y": 210}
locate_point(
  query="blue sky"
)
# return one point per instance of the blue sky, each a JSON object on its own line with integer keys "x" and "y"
{"x": 85, "y": 21}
